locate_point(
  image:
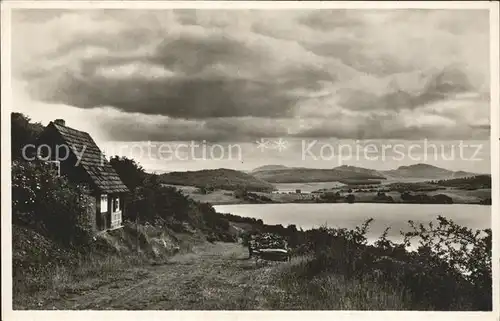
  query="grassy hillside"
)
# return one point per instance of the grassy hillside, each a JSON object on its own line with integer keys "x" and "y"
{"x": 468, "y": 183}
{"x": 424, "y": 171}
{"x": 221, "y": 178}
{"x": 355, "y": 169}
{"x": 283, "y": 174}
{"x": 300, "y": 175}
{"x": 269, "y": 168}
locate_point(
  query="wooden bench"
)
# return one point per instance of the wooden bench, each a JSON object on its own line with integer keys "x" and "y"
{"x": 269, "y": 254}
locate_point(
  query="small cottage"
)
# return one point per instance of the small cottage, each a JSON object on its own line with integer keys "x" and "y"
{"x": 74, "y": 154}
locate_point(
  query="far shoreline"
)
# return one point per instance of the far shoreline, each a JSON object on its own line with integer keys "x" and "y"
{"x": 380, "y": 195}
{"x": 312, "y": 203}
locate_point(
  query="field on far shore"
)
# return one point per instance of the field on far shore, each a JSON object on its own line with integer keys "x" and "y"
{"x": 306, "y": 187}
{"x": 226, "y": 197}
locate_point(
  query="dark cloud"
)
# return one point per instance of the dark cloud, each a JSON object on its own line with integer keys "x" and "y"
{"x": 179, "y": 97}
{"x": 439, "y": 85}
{"x": 211, "y": 130}
{"x": 205, "y": 79}
{"x": 224, "y": 75}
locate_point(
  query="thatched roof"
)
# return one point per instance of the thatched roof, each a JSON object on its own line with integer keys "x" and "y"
{"x": 102, "y": 174}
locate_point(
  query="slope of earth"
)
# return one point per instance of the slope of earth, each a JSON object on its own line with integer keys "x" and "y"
{"x": 212, "y": 277}
{"x": 220, "y": 276}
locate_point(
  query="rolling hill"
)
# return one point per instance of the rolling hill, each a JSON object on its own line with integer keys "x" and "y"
{"x": 261, "y": 179}
{"x": 424, "y": 171}
{"x": 302, "y": 175}
{"x": 283, "y": 174}
{"x": 269, "y": 168}
{"x": 221, "y": 178}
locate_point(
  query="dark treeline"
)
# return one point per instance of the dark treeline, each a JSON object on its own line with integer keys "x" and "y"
{"x": 426, "y": 199}
{"x": 470, "y": 183}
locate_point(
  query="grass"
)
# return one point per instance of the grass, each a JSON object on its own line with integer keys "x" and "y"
{"x": 461, "y": 196}
{"x": 338, "y": 273}
{"x": 32, "y": 290}
{"x": 42, "y": 274}
{"x": 215, "y": 276}
{"x": 328, "y": 291}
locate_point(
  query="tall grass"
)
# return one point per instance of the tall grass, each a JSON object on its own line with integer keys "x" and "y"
{"x": 450, "y": 270}
{"x": 32, "y": 289}
{"x": 327, "y": 291}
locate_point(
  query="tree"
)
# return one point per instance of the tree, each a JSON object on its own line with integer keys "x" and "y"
{"x": 442, "y": 199}
{"x": 350, "y": 198}
{"x": 23, "y": 132}
{"x": 131, "y": 173}
{"x": 293, "y": 236}
{"x": 406, "y": 196}
{"x": 240, "y": 193}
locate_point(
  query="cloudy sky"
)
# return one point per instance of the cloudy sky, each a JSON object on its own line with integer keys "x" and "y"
{"x": 239, "y": 76}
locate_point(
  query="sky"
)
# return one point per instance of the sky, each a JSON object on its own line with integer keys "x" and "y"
{"x": 238, "y": 77}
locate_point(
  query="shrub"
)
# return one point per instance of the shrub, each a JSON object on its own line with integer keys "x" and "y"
{"x": 131, "y": 173}
{"x": 23, "y": 132}
{"x": 450, "y": 270}
{"x": 49, "y": 203}
{"x": 465, "y": 252}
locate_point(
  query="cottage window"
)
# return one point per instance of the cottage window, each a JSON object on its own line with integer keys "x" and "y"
{"x": 116, "y": 204}
{"x": 104, "y": 203}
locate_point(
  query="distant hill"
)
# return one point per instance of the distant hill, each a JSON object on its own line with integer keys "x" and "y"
{"x": 283, "y": 174}
{"x": 358, "y": 170}
{"x": 262, "y": 178}
{"x": 460, "y": 174}
{"x": 221, "y": 178}
{"x": 269, "y": 168}
{"x": 424, "y": 171}
{"x": 303, "y": 175}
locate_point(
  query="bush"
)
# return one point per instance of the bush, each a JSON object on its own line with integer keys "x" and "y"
{"x": 23, "y": 132}
{"x": 450, "y": 270}
{"x": 152, "y": 201}
{"x": 350, "y": 198}
{"x": 383, "y": 197}
{"x": 330, "y": 196}
{"x": 466, "y": 253}
{"x": 131, "y": 173}
{"x": 49, "y": 203}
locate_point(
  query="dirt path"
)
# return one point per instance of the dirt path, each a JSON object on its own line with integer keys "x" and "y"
{"x": 214, "y": 276}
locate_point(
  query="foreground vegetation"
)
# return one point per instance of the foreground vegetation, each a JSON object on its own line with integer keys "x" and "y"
{"x": 56, "y": 215}
{"x": 331, "y": 269}
{"x": 163, "y": 258}
{"x": 450, "y": 270}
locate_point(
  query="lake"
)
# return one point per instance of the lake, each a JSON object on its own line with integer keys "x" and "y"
{"x": 350, "y": 215}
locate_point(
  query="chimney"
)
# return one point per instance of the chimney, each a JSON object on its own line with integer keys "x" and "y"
{"x": 60, "y": 122}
